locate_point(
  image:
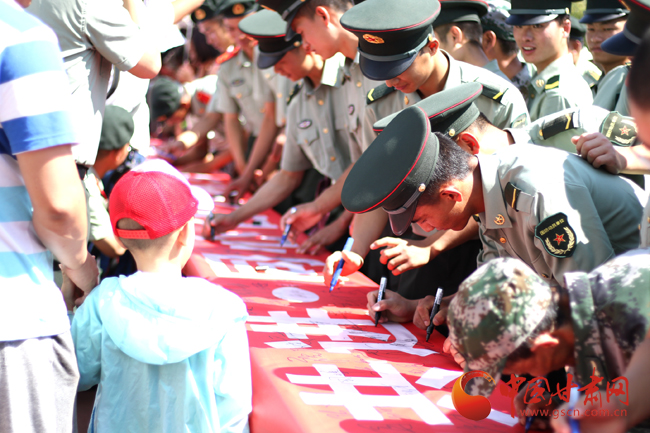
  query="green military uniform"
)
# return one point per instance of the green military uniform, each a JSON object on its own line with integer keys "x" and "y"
{"x": 586, "y": 68}
{"x": 529, "y": 193}
{"x": 557, "y": 87}
{"x": 493, "y": 66}
{"x": 499, "y": 307}
{"x": 242, "y": 89}
{"x": 611, "y": 91}
{"x": 645, "y": 227}
{"x": 314, "y": 138}
{"x": 282, "y": 87}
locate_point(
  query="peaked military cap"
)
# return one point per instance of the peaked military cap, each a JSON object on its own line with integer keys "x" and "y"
{"x": 236, "y": 8}
{"x": 206, "y": 11}
{"x": 578, "y": 30}
{"x": 395, "y": 170}
{"x": 450, "y": 111}
{"x": 529, "y": 12}
{"x": 625, "y": 42}
{"x": 603, "y": 10}
{"x": 288, "y": 9}
{"x": 391, "y": 33}
{"x": 269, "y": 29}
{"x": 460, "y": 11}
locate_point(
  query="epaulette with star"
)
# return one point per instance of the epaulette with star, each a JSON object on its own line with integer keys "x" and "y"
{"x": 231, "y": 52}
{"x": 378, "y": 93}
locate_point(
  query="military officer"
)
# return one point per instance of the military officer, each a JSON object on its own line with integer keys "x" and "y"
{"x": 582, "y": 58}
{"x": 499, "y": 44}
{"x": 576, "y": 222}
{"x": 506, "y": 319}
{"x": 541, "y": 35}
{"x": 458, "y": 29}
{"x": 313, "y": 139}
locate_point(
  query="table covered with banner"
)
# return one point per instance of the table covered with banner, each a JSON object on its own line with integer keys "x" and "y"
{"x": 318, "y": 362}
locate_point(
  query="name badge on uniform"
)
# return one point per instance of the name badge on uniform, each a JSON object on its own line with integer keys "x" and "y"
{"x": 236, "y": 83}
{"x": 556, "y": 234}
{"x": 304, "y": 124}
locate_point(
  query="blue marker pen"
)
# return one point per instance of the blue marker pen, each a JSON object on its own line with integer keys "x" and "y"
{"x": 283, "y": 239}
{"x": 339, "y": 267}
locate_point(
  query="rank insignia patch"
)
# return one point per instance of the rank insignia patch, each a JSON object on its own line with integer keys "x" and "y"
{"x": 620, "y": 130}
{"x": 556, "y": 234}
{"x": 236, "y": 83}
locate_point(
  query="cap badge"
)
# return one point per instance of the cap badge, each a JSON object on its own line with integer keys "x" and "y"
{"x": 499, "y": 220}
{"x": 238, "y": 9}
{"x": 304, "y": 124}
{"x": 422, "y": 187}
{"x": 373, "y": 39}
{"x": 199, "y": 14}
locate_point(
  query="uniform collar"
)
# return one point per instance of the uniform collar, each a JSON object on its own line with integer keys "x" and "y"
{"x": 520, "y": 135}
{"x": 334, "y": 70}
{"x": 495, "y": 206}
{"x": 350, "y": 65}
{"x": 454, "y": 73}
{"x": 538, "y": 82}
{"x": 242, "y": 59}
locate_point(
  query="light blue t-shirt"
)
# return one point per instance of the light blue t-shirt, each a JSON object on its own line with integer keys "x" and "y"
{"x": 34, "y": 102}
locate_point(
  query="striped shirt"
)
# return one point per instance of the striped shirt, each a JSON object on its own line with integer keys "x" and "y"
{"x": 33, "y": 115}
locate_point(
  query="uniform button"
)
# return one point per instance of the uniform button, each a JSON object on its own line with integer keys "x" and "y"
{"x": 332, "y": 158}
{"x": 406, "y": 100}
{"x": 325, "y": 130}
{"x": 262, "y": 110}
{"x": 532, "y": 95}
{"x": 639, "y": 226}
{"x": 279, "y": 95}
{"x": 306, "y": 141}
{"x": 238, "y": 95}
{"x": 502, "y": 240}
{"x": 321, "y": 102}
{"x": 268, "y": 76}
{"x": 358, "y": 83}
{"x": 648, "y": 220}
{"x": 544, "y": 276}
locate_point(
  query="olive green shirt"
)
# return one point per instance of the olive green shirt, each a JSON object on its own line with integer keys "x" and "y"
{"x": 557, "y": 87}
{"x": 281, "y": 86}
{"x": 242, "y": 89}
{"x": 317, "y": 132}
{"x": 645, "y": 227}
{"x": 602, "y": 210}
{"x": 611, "y": 91}
{"x": 589, "y": 72}
{"x": 493, "y": 66}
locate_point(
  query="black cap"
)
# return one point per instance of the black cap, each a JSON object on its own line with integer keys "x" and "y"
{"x": 206, "y": 11}
{"x": 269, "y": 29}
{"x": 450, "y": 111}
{"x": 117, "y": 128}
{"x": 164, "y": 97}
{"x": 529, "y": 12}
{"x": 395, "y": 170}
{"x": 236, "y": 8}
{"x": 460, "y": 11}
{"x": 603, "y": 10}
{"x": 624, "y": 43}
{"x": 391, "y": 33}
{"x": 578, "y": 30}
{"x": 288, "y": 9}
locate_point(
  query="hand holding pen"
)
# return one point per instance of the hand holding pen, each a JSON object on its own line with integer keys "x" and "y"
{"x": 339, "y": 266}
{"x": 434, "y": 311}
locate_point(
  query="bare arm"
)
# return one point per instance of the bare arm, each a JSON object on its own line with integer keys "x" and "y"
{"x": 59, "y": 202}
{"x": 149, "y": 64}
{"x": 366, "y": 228}
{"x": 235, "y": 138}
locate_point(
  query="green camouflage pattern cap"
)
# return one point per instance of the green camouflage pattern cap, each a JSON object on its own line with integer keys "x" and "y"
{"x": 495, "y": 20}
{"x": 495, "y": 310}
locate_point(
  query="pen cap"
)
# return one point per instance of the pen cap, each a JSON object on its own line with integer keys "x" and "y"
{"x": 438, "y": 296}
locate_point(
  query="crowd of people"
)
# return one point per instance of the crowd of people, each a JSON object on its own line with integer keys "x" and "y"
{"x": 495, "y": 149}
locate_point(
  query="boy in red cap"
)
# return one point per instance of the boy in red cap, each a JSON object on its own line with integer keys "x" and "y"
{"x": 169, "y": 353}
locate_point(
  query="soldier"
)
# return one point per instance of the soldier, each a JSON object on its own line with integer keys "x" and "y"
{"x": 505, "y": 319}
{"x": 581, "y": 55}
{"x": 612, "y": 91}
{"x": 541, "y": 35}
{"x": 313, "y": 141}
{"x": 499, "y": 44}
{"x": 577, "y": 221}
{"x": 458, "y": 29}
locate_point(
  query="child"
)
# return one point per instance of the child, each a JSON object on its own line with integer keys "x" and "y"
{"x": 169, "y": 353}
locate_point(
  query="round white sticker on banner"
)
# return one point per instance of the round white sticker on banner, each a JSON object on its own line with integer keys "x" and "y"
{"x": 294, "y": 294}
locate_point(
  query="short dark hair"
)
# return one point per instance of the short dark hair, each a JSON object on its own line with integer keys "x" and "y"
{"x": 508, "y": 47}
{"x": 473, "y": 31}
{"x": 551, "y": 321}
{"x": 309, "y": 8}
{"x": 142, "y": 244}
{"x": 638, "y": 84}
{"x": 453, "y": 163}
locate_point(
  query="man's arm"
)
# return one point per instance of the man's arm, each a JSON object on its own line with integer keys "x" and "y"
{"x": 59, "y": 203}
{"x": 235, "y": 138}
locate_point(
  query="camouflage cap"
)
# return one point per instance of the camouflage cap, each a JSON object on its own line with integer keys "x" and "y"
{"x": 495, "y": 310}
{"x": 495, "y": 20}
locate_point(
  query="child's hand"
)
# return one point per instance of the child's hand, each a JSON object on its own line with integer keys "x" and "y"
{"x": 73, "y": 294}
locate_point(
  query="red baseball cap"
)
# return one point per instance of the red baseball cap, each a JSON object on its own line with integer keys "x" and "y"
{"x": 157, "y": 201}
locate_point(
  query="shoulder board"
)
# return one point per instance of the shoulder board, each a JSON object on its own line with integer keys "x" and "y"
{"x": 378, "y": 93}
{"x": 227, "y": 55}
{"x": 492, "y": 91}
{"x": 517, "y": 199}
{"x": 557, "y": 124}
{"x": 595, "y": 75}
{"x": 294, "y": 92}
{"x": 620, "y": 130}
{"x": 552, "y": 82}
